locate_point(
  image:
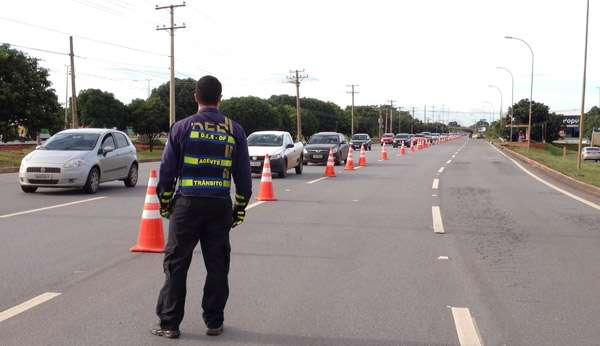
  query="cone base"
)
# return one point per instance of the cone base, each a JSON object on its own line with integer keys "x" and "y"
{"x": 349, "y": 168}
{"x": 266, "y": 199}
{"x": 137, "y": 248}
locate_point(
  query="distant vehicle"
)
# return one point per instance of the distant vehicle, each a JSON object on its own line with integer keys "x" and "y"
{"x": 387, "y": 138}
{"x": 427, "y": 135}
{"x": 360, "y": 139}
{"x": 401, "y": 138}
{"x": 590, "y": 153}
{"x": 283, "y": 153}
{"x": 317, "y": 148}
{"x": 81, "y": 158}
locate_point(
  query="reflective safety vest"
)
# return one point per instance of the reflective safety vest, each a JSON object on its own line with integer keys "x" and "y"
{"x": 207, "y": 159}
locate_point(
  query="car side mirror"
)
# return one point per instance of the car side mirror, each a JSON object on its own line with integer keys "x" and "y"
{"x": 38, "y": 147}
{"x": 107, "y": 149}
{"x": 289, "y": 146}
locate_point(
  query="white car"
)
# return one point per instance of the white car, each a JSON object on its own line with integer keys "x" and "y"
{"x": 80, "y": 158}
{"x": 590, "y": 153}
{"x": 283, "y": 153}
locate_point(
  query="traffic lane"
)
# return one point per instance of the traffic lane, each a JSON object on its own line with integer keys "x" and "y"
{"x": 526, "y": 251}
{"x": 290, "y": 277}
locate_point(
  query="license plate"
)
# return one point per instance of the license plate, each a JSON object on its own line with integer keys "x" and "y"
{"x": 317, "y": 156}
{"x": 42, "y": 176}
{"x": 255, "y": 164}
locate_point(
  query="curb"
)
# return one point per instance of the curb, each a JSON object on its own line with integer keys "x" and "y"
{"x": 7, "y": 170}
{"x": 584, "y": 187}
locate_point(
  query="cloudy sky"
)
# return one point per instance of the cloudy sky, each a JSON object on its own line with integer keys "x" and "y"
{"x": 438, "y": 53}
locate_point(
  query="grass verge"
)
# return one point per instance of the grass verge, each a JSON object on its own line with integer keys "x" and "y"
{"x": 551, "y": 156}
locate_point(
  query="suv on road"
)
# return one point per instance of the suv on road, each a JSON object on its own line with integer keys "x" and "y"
{"x": 317, "y": 148}
{"x": 360, "y": 139}
{"x": 387, "y": 139}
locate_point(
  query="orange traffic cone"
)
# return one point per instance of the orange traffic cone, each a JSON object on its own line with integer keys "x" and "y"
{"x": 150, "y": 235}
{"x": 412, "y": 146}
{"x": 362, "y": 159}
{"x": 349, "y": 160}
{"x": 402, "y": 149}
{"x": 266, "y": 183}
{"x": 384, "y": 155}
{"x": 330, "y": 170}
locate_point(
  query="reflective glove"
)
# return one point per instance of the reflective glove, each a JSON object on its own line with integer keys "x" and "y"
{"x": 239, "y": 210}
{"x": 165, "y": 199}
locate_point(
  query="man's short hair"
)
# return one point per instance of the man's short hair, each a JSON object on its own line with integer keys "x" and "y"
{"x": 208, "y": 90}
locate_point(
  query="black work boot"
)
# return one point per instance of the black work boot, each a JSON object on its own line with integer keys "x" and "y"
{"x": 214, "y": 331}
{"x": 166, "y": 332}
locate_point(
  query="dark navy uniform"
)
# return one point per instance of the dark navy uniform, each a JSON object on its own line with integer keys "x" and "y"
{"x": 203, "y": 153}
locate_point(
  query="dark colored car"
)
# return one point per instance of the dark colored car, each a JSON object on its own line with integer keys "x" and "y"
{"x": 317, "y": 148}
{"x": 387, "y": 138}
{"x": 402, "y": 138}
{"x": 360, "y": 139}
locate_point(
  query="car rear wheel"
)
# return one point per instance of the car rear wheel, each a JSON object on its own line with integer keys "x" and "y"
{"x": 300, "y": 166}
{"x": 132, "y": 177}
{"x": 29, "y": 189}
{"x": 93, "y": 181}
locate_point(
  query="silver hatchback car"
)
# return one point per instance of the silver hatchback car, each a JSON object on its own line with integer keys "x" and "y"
{"x": 80, "y": 158}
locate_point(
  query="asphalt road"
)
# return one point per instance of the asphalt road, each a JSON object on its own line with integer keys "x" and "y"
{"x": 350, "y": 260}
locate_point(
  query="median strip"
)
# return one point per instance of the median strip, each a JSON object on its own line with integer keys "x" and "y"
{"x": 31, "y": 303}
{"x": 50, "y": 207}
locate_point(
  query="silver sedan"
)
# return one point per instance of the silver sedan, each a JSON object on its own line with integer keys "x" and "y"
{"x": 80, "y": 158}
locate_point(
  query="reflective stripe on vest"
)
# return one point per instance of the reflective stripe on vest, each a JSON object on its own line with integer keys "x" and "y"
{"x": 206, "y": 161}
{"x": 212, "y": 136}
{"x": 205, "y": 183}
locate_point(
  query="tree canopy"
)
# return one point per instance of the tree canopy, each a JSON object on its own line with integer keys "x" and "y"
{"x": 101, "y": 109}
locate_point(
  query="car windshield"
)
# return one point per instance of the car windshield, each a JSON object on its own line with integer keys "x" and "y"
{"x": 323, "y": 139}
{"x": 388, "y": 135}
{"x": 71, "y": 141}
{"x": 265, "y": 140}
{"x": 402, "y": 135}
{"x": 592, "y": 149}
{"x": 360, "y": 137}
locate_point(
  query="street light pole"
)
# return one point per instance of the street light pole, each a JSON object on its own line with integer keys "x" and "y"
{"x": 512, "y": 99}
{"x": 531, "y": 88}
{"x": 587, "y": 21}
{"x": 501, "y": 100}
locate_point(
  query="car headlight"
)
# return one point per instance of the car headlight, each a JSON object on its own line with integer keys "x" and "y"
{"x": 334, "y": 150}
{"x": 275, "y": 156}
{"x": 305, "y": 152}
{"x": 74, "y": 163}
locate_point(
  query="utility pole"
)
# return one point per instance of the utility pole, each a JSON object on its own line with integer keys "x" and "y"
{"x": 581, "y": 127}
{"x": 379, "y": 121}
{"x": 433, "y": 114}
{"x": 67, "y": 99}
{"x": 296, "y": 78}
{"x": 425, "y": 115}
{"x": 171, "y": 29}
{"x": 412, "y": 123}
{"x": 598, "y": 96}
{"x": 391, "y": 116}
{"x": 399, "y": 119}
{"x": 73, "y": 93}
{"x": 148, "y": 87}
{"x": 352, "y": 114}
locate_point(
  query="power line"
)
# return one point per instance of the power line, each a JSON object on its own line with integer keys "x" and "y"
{"x": 296, "y": 78}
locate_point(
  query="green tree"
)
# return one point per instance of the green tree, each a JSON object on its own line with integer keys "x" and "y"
{"x": 591, "y": 121}
{"x": 253, "y": 113}
{"x": 185, "y": 104}
{"x": 101, "y": 109}
{"x": 26, "y": 96}
{"x": 149, "y": 118}
{"x": 539, "y": 117}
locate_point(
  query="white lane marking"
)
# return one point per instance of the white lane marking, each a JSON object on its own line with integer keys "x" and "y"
{"x": 468, "y": 335}
{"x": 434, "y": 195}
{"x": 443, "y": 257}
{"x": 288, "y": 190}
{"x": 566, "y": 193}
{"x": 436, "y": 214}
{"x": 316, "y": 180}
{"x": 358, "y": 167}
{"x": 355, "y": 200}
{"x": 441, "y": 170}
{"x": 448, "y": 162}
{"x": 436, "y": 183}
{"x": 255, "y": 204}
{"x": 15, "y": 310}
{"x": 51, "y": 207}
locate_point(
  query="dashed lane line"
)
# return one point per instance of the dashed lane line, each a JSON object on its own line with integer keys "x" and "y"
{"x": 441, "y": 170}
{"x": 255, "y": 204}
{"x": 448, "y": 162}
{"x": 468, "y": 335}
{"x": 438, "y": 225}
{"x": 51, "y": 207}
{"x": 436, "y": 183}
{"x": 566, "y": 193}
{"x": 316, "y": 180}
{"x": 31, "y": 303}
